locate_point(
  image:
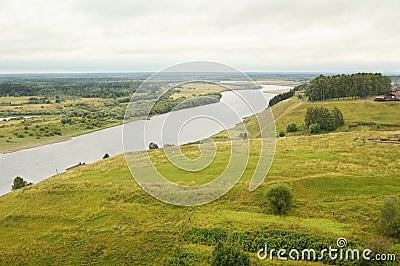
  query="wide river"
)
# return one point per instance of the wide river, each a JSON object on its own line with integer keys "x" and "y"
{"x": 36, "y": 164}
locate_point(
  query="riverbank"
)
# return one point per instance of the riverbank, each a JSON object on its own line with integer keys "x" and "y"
{"x": 58, "y": 120}
{"x": 56, "y": 139}
{"x": 276, "y": 91}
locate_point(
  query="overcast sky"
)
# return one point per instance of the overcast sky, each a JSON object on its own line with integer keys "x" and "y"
{"x": 148, "y": 35}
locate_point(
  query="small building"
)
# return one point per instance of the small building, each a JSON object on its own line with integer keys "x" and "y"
{"x": 390, "y": 97}
{"x": 396, "y": 93}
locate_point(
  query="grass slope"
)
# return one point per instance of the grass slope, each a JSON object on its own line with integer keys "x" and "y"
{"x": 379, "y": 115}
{"x": 97, "y": 213}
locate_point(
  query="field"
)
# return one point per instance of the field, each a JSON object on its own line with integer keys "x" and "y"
{"x": 193, "y": 89}
{"x": 98, "y": 214}
{"x": 52, "y": 122}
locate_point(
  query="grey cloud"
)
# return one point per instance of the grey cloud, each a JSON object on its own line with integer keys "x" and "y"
{"x": 126, "y": 35}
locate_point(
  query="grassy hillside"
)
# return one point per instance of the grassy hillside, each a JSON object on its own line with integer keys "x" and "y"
{"x": 360, "y": 115}
{"x": 97, "y": 213}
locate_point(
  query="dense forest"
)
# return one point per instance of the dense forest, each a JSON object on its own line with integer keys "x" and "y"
{"x": 72, "y": 87}
{"x": 358, "y": 85}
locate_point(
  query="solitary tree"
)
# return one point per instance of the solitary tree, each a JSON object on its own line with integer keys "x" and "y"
{"x": 390, "y": 218}
{"x": 106, "y": 156}
{"x": 153, "y": 145}
{"x": 19, "y": 182}
{"x": 279, "y": 198}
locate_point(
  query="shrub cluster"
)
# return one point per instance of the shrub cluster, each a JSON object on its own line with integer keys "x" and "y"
{"x": 234, "y": 242}
{"x": 229, "y": 254}
{"x": 183, "y": 256}
{"x": 291, "y": 127}
{"x": 320, "y": 116}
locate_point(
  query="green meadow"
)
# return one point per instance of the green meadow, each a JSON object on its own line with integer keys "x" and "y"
{"x": 52, "y": 122}
{"x": 360, "y": 115}
{"x": 98, "y": 214}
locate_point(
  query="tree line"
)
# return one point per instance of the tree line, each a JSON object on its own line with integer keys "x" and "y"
{"x": 358, "y": 85}
{"x": 166, "y": 103}
{"x": 77, "y": 88}
{"x": 286, "y": 95}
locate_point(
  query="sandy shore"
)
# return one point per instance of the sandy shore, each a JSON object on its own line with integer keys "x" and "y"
{"x": 30, "y": 146}
{"x": 277, "y": 82}
{"x": 276, "y": 91}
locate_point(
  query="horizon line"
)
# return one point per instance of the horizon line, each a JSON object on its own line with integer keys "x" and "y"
{"x": 152, "y": 72}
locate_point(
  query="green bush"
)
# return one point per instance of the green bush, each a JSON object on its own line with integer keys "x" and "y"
{"x": 338, "y": 119}
{"x": 315, "y": 128}
{"x": 106, "y": 156}
{"x": 243, "y": 135}
{"x": 207, "y": 237}
{"x": 327, "y": 120}
{"x": 229, "y": 254}
{"x": 20, "y": 135}
{"x": 183, "y": 257}
{"x": 292, "y": 127}
{"x": 153, "y": 146}
{"x": 252, "y": 241}
{"x": 378, "y": 245}
{"x": 281, "y": 133}
{"x": 19, "y": 182}
{"x": 279, "y": 198}
{"x": 320, "y": 115}
{"x": 390, "y": 218}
